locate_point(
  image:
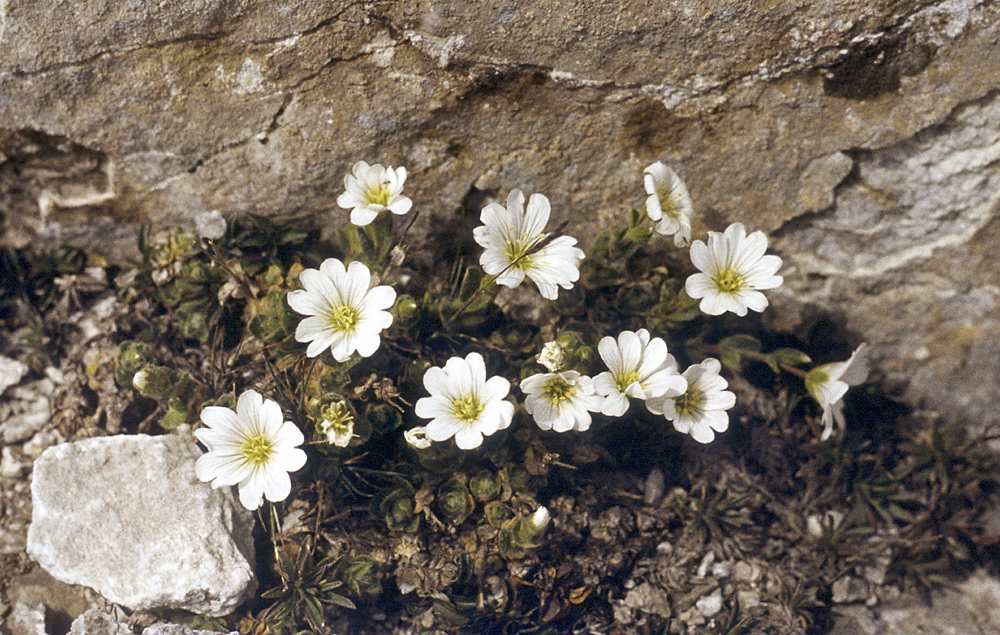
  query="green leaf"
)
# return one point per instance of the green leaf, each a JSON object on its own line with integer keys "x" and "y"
{"x": 732, "y": 348}
{"x": 341, "y": 601}
{"x": 789, "y": 356}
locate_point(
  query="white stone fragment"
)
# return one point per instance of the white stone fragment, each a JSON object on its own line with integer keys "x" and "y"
{"x": 711, "y": 604}
{"x": 125, "y": 516}
{"x": 11, "y": 372}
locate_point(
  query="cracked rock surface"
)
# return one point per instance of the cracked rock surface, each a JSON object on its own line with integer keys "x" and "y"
{"x": 110, "y": 513}
{"x": 862, "y": 136}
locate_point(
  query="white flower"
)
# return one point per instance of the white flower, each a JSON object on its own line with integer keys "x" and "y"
{"x": 560, "y": 401}
{"x": 252, "y": 447}
{"x": 829, "y": 383}
{"x": 372, "y": 189}
{"x": 733, "y": 270}
{"x": 639, "y": 367}
{"x": 552, "y": 357}
{"x": 463, "y": 403}
{"x": 417, "y": 438}
{"x": 701, "y": 409}
{"x": 344, "y": 315}
{"x": 509, "y": 235}
{"x": 668, "y": 203}
{"x": 337, "y": 424}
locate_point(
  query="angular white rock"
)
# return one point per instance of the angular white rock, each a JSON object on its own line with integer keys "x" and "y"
{"x": 125, "y": 516}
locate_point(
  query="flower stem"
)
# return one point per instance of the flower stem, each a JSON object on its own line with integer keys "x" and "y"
{"x": 761, "y": 357}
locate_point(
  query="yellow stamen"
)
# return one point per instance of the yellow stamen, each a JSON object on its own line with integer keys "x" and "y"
{"x": 257, "y": 450}
{"x": 558, "y": 390}
{"x": 688, "y": 403}
{"x": 467, "y": 408}
{"x": 344, "y": 318}
{"x": 728, "y": 281}
{"x": 515, "y": 249}
{"x": 377, "y": 195}
{"x": 667, "y": 202}
{"x": 626, "y": 379}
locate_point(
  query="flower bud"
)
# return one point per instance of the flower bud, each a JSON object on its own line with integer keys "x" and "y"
{"x": 540, "y": 519}
{"x": 131, "y": 358}
{"x": 523, "y": 533}
{"x": 157, "y": 382}
{"x": 405, "y": 310}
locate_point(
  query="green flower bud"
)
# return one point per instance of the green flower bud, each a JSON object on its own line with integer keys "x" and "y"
{"x": 454, "y": 501}
{"x": 523, "y": 533}
{"x": 360, "y": 577}
{"x": 485, "y": 485}
{"x": 405, "y": 311}
{"x": 157, "y": 382}
{"x": 131, "y": 358}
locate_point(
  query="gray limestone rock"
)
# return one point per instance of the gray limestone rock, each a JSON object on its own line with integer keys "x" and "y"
{"x": 125, "y": 516}
{"x": 861, "y": 135}
{"x": 98, "y": 622}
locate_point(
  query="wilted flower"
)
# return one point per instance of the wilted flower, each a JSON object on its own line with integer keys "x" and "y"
{"x": 701, "y": 409}
{"x": 210, "y": 225}
{"x": 252, "y": 447}
{"x": 510, "y": 235}
{"x": 560, "y": 401}
{"x": 668, "y": 203}
{"x": 552, "y": 357}
{"x": 372, "y": 189}
{"x": 417, "y": 438}
{"x": 463, "y": 403}
{"x": 733, "y": 270}
{"x": 639, "y": 367}
{"x": 337, "y": 424}
{"x": 344, "y": 315}
{"x": 829, "y": 383}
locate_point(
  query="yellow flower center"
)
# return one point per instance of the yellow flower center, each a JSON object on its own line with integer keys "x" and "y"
{"x": 558, "y": 390}
{"x": 257, "y": 450}
{"x": 688, "y": 403}
{"x": 728, "y": 281}
{"x": 344, "y": 318}
{"x": 377, "y": 195}
{"x": 515, "y": 251}
{"x": 667, "y": 202}
{"x": 467, "y": 408}
{"x": 626, "y": 379}
{"x": 337, "y": 424}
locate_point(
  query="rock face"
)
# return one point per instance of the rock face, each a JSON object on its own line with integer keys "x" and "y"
{"x": 121, "y": 515}
{"x": 862, "y": 136}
